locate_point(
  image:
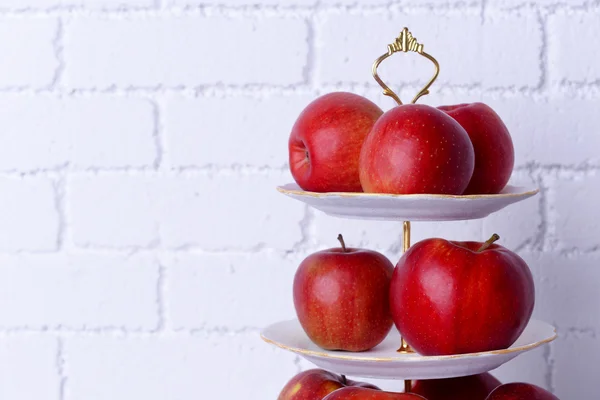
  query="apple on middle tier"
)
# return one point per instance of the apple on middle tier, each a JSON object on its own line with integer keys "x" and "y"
{"x": 341, "y": 296}
{"x": 444, "y": 297}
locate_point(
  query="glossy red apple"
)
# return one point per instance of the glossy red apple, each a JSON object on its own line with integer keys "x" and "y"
{"x": 521, "y": 391}
{"x": 326, "y": 140}
{"x": 370, "y": 394}
{"x": 474, "y": 387}
{"x": 341, "y": 297}
{"x": 315, "y": 384}
{"x": 494, "y": 151}
{"x": 416, "y": 148}
{"x": 461, "y": 297}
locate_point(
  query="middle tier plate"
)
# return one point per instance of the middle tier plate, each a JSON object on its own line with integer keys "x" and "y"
{"x": 409, "y": 207}
{"x": 384, "y": 362}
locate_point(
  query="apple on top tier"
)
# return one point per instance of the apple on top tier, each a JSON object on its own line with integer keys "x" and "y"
{"x": 494, "y": 152}
{"x": 461, "y": 297}
{"x": 343, "y": 142}
{"x": 326, "y": 140}
{"x": 341, "y": 296}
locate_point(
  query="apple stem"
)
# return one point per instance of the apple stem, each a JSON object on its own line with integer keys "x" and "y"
{"x": 341, "y": 239}
{"x": 489, "y": 242}
{"x": 344, "y": 380}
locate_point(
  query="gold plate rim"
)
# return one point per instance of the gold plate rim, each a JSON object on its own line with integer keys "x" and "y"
{"x": 411, "y": 359}
{"x": 282, "y": 189}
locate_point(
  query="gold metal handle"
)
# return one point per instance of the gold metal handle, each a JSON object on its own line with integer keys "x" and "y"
{"x": 405, "y": 42}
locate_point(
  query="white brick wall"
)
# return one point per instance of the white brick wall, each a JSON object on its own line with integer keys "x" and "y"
{"x": 142, "y": 242}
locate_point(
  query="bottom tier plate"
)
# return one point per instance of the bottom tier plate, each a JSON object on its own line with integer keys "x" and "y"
{"x": 384, "y": 362}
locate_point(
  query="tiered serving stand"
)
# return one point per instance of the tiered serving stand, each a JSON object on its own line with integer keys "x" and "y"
{"x": 393, "y": 358}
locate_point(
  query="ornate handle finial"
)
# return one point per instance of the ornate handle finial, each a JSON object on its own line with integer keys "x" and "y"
{"x": 405, "y": 42}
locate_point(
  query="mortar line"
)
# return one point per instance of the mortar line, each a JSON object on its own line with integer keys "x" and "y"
{"x": 58, "y": 47}
{"x": 571, "y": 89}
{"x": 60, "y": 199}
{"x": 543, "y": 55}
{"x": 550, "y": 378}
{"x": 309, "y": 68}
{"x": 158, "y": 133}
{"x": 161, "y": 289}
{"x": 61, "y": 368}
{"x": 167, "y": 8}
{"x": 484, "y": 4}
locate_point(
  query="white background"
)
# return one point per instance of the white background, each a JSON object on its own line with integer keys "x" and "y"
{"x": 142, "y": 242}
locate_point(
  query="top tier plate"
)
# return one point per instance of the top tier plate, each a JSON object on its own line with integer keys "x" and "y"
{"x": 408, "y": 207}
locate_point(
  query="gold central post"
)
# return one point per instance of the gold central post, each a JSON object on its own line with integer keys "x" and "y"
{"x": 404, "y": 347}
{"x": 407, "y": 386}
{"x": 404, "y": 43}
{"x": 406, "y": 236}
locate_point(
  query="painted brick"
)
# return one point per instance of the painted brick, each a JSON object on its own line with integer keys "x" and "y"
{"x": 48, "y": 132}
{"x": 112, "y": 210}
{"x": 350, "y": 43}
{"x": 234, "y": 130}
{"x": 574, "y": 357}
{"x": 234, "y": 3}
{"x": 573, "y": 203}
{"x": 29, "y": 220}
{"x": 112, "y": 368}
{"x": 192, "y": 51}
{"x": 495, "y": 5}
{"x": 30, "y": 60}
{"x": 242, "y": 301}
{"x": 228, "y": 212}
{"x": 29, "y": 368}
{"x": 78, "y": 291}
{"x": 91, "y": 4}
{"x": 568, "y": 37}
{"x": 571, "y": 124}
{"x": 563, "y": 286}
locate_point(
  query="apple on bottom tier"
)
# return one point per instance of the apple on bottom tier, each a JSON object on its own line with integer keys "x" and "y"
{"x": 521, "y": 391}
{"x": 474, "y": 387}
{"x": 341, "y": 296}
{"x": 354, "y": 393}
{"x": 461, "y": 297}
{"x": 318, "y": 384}
{"x": 315, "y": 384}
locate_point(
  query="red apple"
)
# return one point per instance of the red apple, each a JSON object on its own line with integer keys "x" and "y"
{"x": 474, "y": 387}
{"x": 315, "y": 384}
{"x": 461, "y": 297}
{"x": 341, "y": 297}
{"x": 494, "y": 151}
{"x": 354, "y": 393}
{"x": 326, "y": 139}
{"x": 521, "y": 391}
{"x": 416, "y": 148}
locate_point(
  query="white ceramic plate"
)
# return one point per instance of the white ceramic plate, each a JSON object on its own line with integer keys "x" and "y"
{"x": 408, "y": 207}
{"x": 383, "y": 362}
